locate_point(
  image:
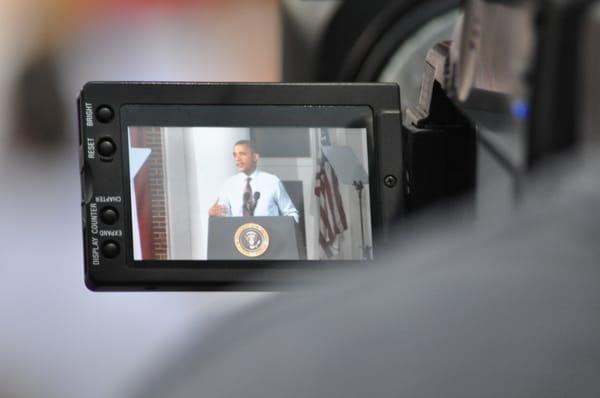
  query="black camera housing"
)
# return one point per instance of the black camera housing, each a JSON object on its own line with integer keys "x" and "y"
{"x": 106, "y": 109}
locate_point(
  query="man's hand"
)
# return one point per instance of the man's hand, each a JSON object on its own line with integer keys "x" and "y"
{"x": 217, "y": 210}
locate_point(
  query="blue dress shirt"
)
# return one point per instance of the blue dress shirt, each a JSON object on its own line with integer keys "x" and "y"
{"x": 274, "y": 199}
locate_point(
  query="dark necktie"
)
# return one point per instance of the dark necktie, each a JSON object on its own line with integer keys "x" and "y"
{"x": 247, "y": 198}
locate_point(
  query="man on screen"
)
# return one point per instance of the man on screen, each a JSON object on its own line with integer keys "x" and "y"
{"x": 252, "y": 192}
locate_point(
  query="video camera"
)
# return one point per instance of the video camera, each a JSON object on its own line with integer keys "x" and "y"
{"x": 215, "y": 186}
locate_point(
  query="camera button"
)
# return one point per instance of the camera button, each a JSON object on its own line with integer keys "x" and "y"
{"x": 106, "y": 147}
{"x": 104, "y": 114}
{"x": 109, "y": 215}
{"x": 110, "y": 249}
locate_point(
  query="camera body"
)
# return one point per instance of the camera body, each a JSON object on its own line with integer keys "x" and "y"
{"x": 155, "y": 155}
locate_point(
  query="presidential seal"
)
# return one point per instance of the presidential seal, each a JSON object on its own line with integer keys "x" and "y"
{"x": 252, "y": 240}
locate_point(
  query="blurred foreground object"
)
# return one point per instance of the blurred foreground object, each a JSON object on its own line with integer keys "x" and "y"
{"x": 507, "y": 310}
{"x": 39, "y": 93}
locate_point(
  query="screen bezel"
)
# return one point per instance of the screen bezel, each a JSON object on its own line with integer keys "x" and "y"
{"x": 104, "y": 176}
{"x": 189, "y": 115}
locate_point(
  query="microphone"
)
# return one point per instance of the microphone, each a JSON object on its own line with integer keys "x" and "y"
{"x": 256, "y": 197}
{"x": 246, "y": 203}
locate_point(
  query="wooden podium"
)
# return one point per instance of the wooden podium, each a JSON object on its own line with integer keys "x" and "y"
{"x": 254, "y": 238}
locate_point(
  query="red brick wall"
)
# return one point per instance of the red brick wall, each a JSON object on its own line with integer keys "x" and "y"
{"x": 151, "y": 138}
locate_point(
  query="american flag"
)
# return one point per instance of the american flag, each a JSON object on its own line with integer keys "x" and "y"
{"x": 332, "y": 217}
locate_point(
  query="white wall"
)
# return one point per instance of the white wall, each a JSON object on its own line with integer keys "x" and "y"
{"x": 303, "y": 169}
{"x": 199, "y": 160}
{"x": 211, "y": 162}
{"x": 178, "y": 194}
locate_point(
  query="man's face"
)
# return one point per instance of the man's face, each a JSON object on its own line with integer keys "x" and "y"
{"x": 245, "y": 159}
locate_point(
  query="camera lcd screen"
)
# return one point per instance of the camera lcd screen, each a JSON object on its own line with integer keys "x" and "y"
{"x": 249, "y": 182}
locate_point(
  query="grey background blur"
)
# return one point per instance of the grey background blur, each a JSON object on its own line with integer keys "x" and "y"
{"x": 58, "y": 339}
